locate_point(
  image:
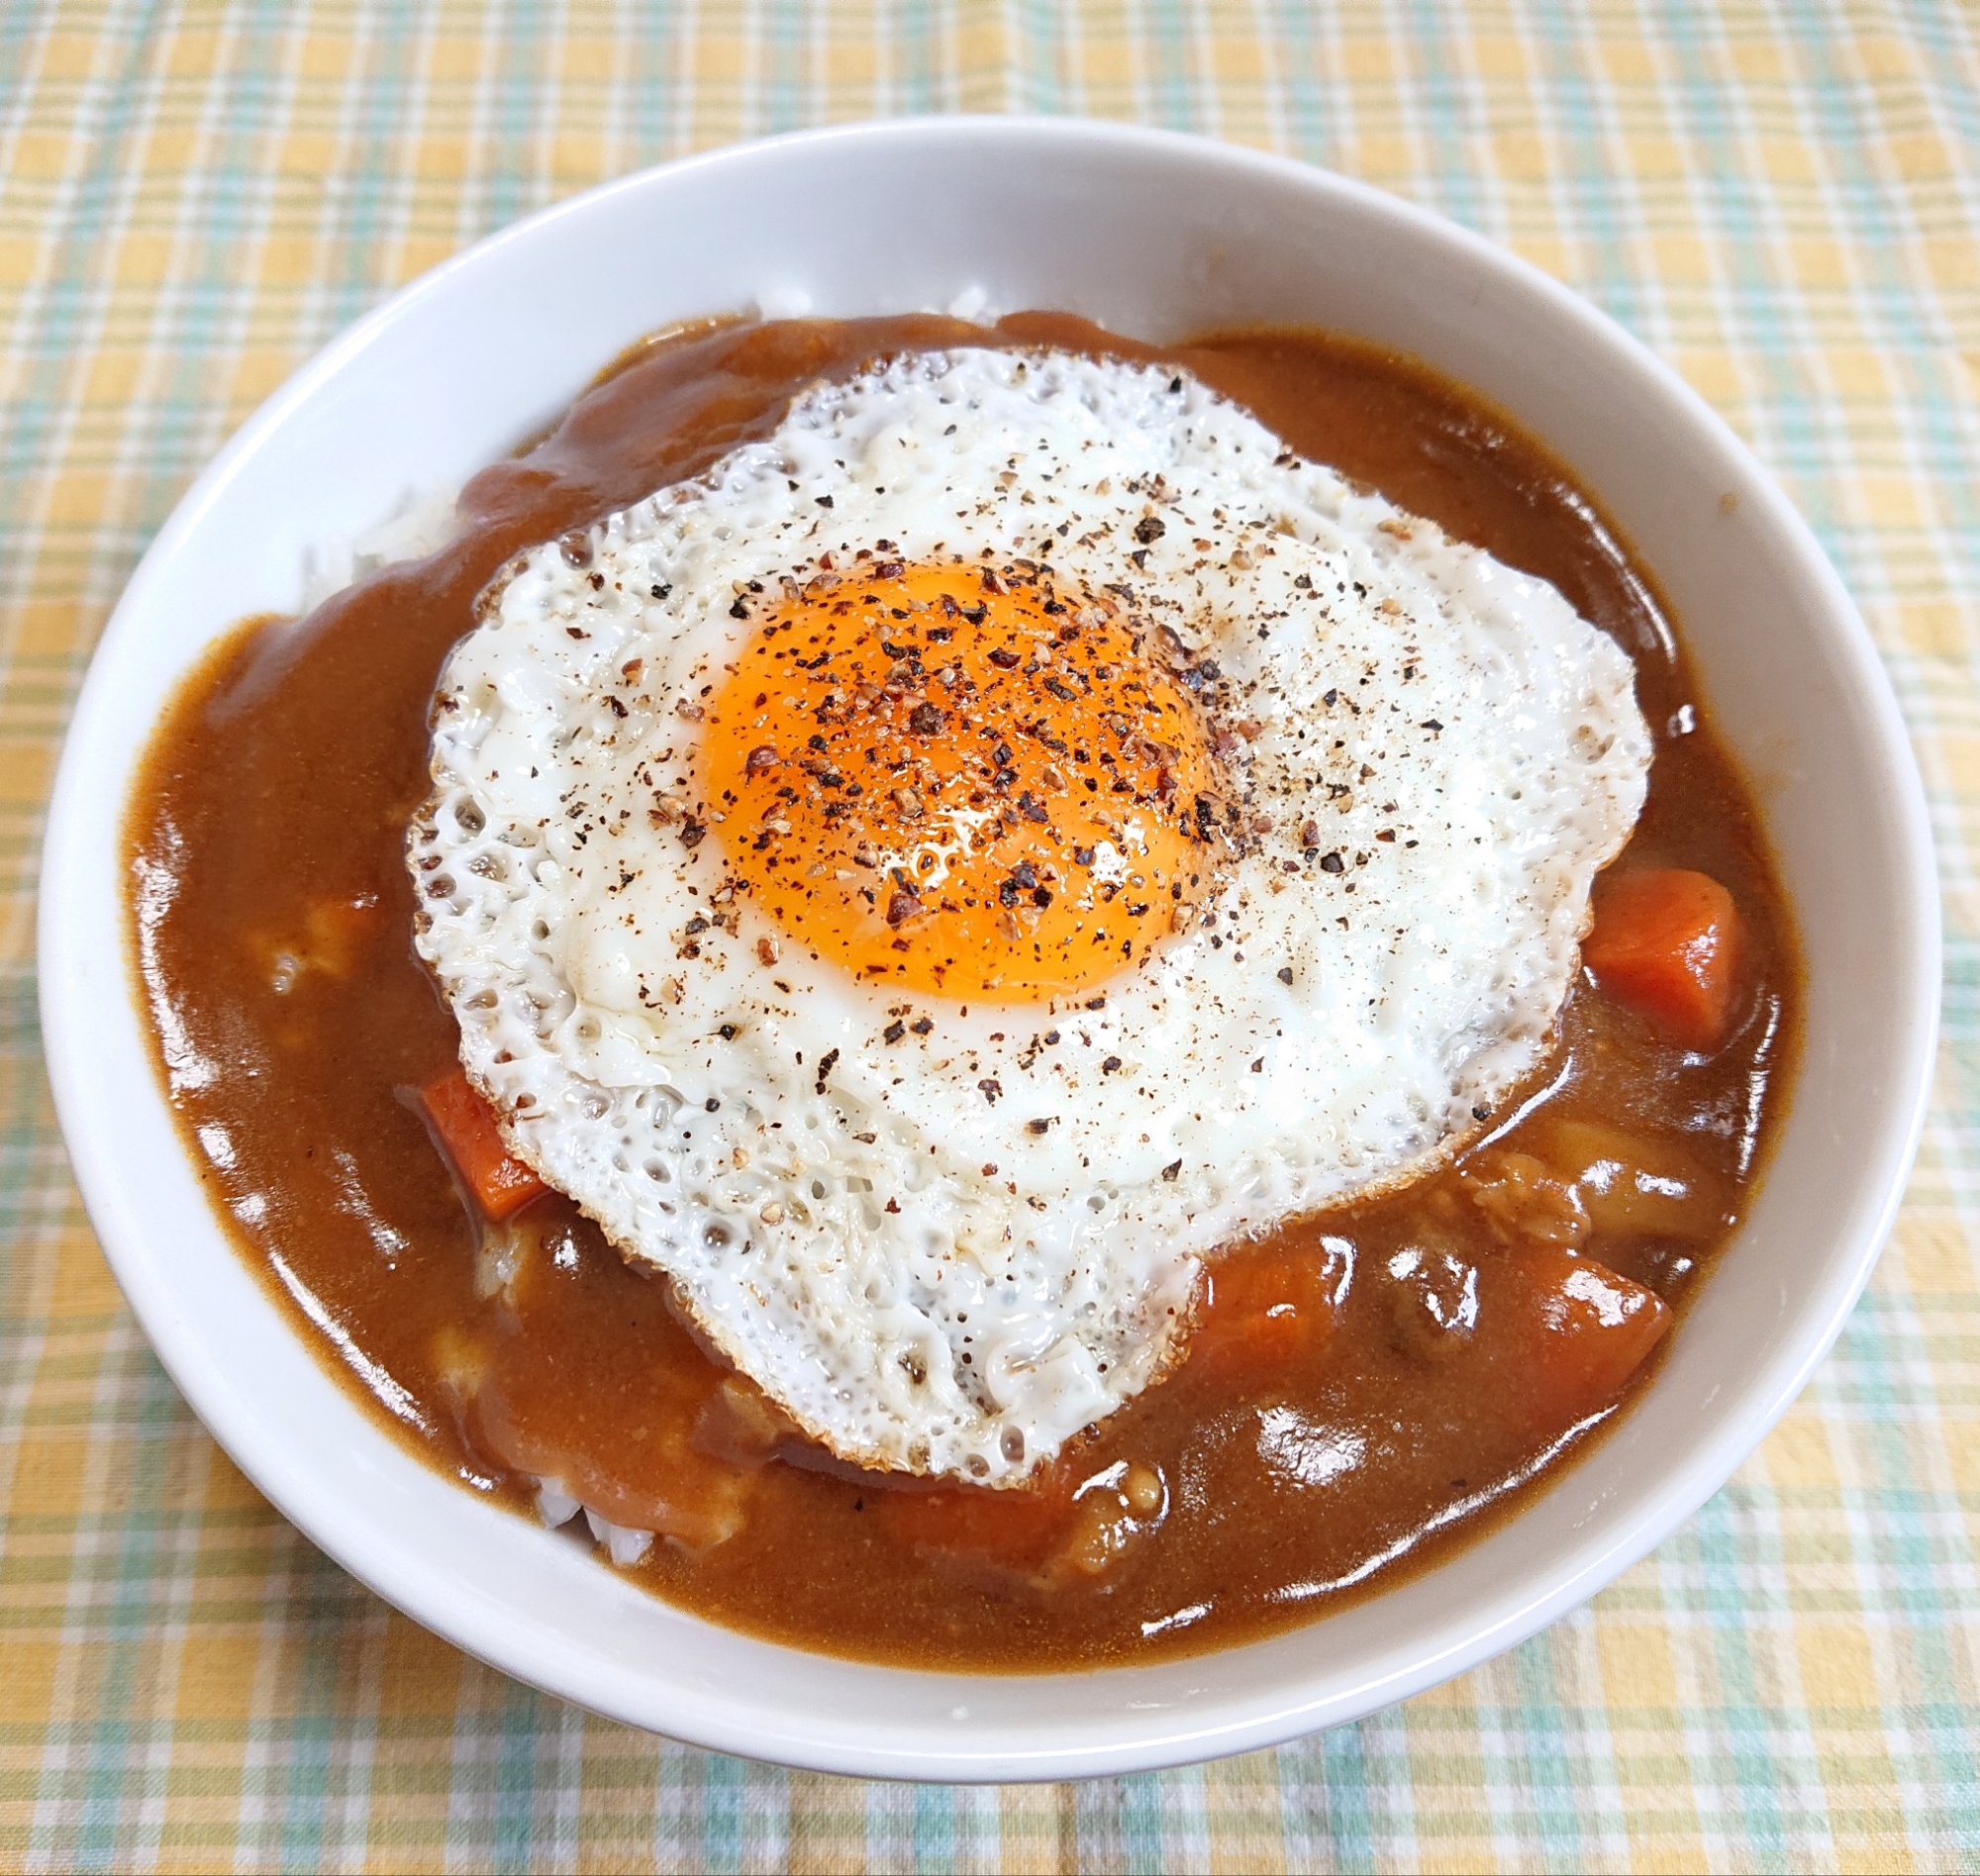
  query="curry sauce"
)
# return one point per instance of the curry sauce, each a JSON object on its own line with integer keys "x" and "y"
{"x": 1365, "y": 1389}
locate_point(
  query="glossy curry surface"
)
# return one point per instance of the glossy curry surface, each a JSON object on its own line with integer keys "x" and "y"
{"x": 1365, "y": 1389}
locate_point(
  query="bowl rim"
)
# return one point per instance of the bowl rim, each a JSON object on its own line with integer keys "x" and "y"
{"x": 1139, "y": 1741}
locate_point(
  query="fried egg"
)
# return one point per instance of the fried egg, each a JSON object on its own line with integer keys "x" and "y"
{"x": 1004, "y": 835}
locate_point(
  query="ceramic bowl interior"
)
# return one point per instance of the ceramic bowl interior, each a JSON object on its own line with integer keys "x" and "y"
{"x": 1155, "y": 235}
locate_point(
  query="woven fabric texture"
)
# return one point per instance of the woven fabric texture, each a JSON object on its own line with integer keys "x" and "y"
{"x": 1782, "y": 197}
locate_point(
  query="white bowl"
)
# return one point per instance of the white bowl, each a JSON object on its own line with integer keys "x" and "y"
{"x": 1155, "y": 235}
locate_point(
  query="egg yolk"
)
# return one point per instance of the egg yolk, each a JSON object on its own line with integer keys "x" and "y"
{"x": 963, "y": 779}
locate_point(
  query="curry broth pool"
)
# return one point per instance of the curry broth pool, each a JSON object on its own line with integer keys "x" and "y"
{"x": 1367, "y": 1387}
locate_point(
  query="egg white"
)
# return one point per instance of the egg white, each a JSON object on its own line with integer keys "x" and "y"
{"x": 927, "y": 1277}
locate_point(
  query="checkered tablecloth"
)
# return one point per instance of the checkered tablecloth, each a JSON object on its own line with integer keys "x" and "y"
{"x": 1781, "y": 196}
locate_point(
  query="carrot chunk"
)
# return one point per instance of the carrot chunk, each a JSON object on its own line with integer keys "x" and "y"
{"x": 1568, "y": 1332}
{"x": 1263, "y": 1310}
{"x": 1016, "y": 1526}
{"x": 463, "y": 1127}
{"x": 1668, "y": 943}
